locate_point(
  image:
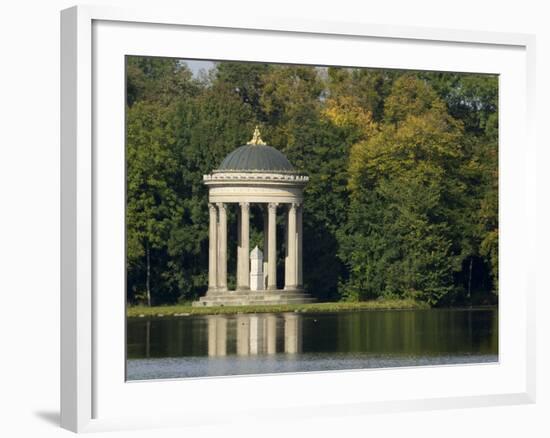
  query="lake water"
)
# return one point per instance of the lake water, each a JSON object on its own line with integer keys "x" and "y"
{"x": 197, "y": 346}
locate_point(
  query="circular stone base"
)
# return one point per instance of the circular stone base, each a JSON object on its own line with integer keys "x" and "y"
{"x": 256, "y": 297}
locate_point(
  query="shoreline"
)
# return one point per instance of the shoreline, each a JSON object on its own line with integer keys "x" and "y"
{"x": 182, "y": 310}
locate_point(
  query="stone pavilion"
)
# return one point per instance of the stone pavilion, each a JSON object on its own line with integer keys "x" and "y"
{"x": 255, "y": 174}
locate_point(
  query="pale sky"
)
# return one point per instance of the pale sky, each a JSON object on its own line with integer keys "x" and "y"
{"x": 196, "y": 65}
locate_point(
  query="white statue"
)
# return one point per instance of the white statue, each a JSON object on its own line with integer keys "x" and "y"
{"x": 256, "y": 269}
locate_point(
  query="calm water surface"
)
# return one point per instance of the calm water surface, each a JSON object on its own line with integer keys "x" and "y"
{"x": 195, "y": 346}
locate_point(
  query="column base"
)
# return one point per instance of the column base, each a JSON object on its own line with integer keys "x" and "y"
{"x": 216, "y": 290}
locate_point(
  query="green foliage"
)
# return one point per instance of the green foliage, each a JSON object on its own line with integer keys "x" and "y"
{"x": 162, "y": 80}
{"x": 411, "y": 223}
{"x": 244, "y": 79}
{"x": 403, "y": 194}
{"x": 152, "y": 199}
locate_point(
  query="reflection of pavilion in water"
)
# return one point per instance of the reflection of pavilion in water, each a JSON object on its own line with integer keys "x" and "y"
{"x": 254, "y": 334}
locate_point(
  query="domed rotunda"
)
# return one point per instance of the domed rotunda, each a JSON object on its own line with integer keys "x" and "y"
{"x": 255, "y": 173}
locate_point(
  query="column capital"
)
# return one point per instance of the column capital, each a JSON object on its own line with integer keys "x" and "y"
{"x": 244, "y": 205}
{"x": 273, "y": 205}
{"x": 212, "y": 207}
{"x": 221, "y": 205}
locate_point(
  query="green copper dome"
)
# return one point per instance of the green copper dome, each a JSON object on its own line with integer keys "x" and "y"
{"x": 250, "y": 158}
{"x": 256, "y": 156}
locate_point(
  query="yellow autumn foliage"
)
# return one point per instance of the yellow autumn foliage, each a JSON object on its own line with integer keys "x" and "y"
{"x": 344, "y": 112}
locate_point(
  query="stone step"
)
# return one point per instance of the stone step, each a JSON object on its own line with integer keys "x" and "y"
{"x": 259, "y": 292}
{"x": 263, "y": 300}
{"x": 254, "y": 297}
{"x": 248, "y": 303}
{"x": 252, "y": 302}
{"x": 243, "y": 299}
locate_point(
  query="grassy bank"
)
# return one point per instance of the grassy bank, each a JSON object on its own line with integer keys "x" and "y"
{"x": 187, "y": 309}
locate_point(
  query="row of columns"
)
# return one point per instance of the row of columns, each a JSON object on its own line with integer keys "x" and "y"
{"x": 217, "y": 256}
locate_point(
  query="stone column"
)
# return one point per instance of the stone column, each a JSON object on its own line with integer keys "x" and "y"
{"x": 243, "y": 261}
{"x": 290, "y": 281}
{"x": 266, "y": 247}
{"x": 287, "y": 265}
{"x": 299, "y": 231}
{"x": 272, "y": 247}
{"x": 238, "y": 269}
{"x": 222, "y": 248}
{"x": 213, "y": 249}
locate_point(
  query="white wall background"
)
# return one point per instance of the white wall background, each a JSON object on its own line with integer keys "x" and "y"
{"x": 29, "y": 215}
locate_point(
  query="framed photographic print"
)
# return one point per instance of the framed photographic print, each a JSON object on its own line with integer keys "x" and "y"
{"x": 291, "y": 217}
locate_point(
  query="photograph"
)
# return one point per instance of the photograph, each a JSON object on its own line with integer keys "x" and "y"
{"x": 289, "y": 218}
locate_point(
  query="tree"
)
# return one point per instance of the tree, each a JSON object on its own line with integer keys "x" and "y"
{"x": 151, "y": 198}
{"x": 403, "y": 192}
{"x": 244, "y": 79}
{"x": 406, "y": 197}
{"x": 162, "y": 80}
{"x": 473, "y": 98}
{"x": 367, "y": 87}
{"x": 207, "y": 128}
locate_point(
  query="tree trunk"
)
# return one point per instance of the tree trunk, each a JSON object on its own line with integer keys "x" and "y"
{"x": 148, "y": 274}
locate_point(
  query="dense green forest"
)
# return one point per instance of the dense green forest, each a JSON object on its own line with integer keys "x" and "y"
{"x": 403, "y": 167}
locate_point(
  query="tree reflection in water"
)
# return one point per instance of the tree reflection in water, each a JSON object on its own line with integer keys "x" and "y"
{"x": 219, "y": 345}
{"x": 434, "y": 332}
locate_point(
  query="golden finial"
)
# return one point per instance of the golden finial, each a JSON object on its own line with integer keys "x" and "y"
{"x": 256, "y": 139}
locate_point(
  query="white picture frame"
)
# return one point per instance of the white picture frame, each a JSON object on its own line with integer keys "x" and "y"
{"x": 94, "y": 41}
